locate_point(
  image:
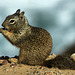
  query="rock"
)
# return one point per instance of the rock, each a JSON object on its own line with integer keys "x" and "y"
{"x": 51, "y": 56}
{"x": 73, "y": 56}
{"x": 1, "y": 61}
{"x": 4, "y": 62}
{"x": 14, "y": 60}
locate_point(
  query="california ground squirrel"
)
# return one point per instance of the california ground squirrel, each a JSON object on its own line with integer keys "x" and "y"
{"x": 35, "y": 43}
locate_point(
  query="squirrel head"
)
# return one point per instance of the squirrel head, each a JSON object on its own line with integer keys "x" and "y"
{"x": 15, "y": 21}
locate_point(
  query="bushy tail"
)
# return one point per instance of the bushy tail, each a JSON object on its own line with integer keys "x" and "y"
{"x": 61, "y": 62}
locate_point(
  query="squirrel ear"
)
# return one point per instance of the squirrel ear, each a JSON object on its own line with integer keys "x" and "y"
{"x": 22, "y": 13}
{"x": 18, "y": 11}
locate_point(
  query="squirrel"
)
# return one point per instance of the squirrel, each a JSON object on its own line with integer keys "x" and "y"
{"x": 35, "y": 43}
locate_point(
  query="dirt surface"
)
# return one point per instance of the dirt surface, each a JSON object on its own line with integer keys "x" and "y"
{"x": 9, "y": 66}
{"x": 32, "y": 70}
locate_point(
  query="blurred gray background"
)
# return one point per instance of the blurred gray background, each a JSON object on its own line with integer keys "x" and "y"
{"x": 56, "y": 16}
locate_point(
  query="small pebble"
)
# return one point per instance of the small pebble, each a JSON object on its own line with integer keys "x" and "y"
{"x": 30, "y": 68}
{"x": 60, "y": 72}
{"x": 13, "y": 65}
{"x": 42, "y": 67}
{"x": 26, "y": 71}
{"x": 34, "y": 72}
{"x": 37, "y": 71}
{"x": 7, "y": 70}
{"x": 3, "y": 68}
{"x": 48, "y": 73}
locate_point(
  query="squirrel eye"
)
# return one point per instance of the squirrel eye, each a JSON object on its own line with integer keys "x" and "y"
{"x": 12, "y": 21}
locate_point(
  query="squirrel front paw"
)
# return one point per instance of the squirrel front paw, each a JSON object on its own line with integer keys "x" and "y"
{"x": 1, "y": 30}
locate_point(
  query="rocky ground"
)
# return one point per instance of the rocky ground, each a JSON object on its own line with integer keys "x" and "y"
{"x": 52, "y": 66}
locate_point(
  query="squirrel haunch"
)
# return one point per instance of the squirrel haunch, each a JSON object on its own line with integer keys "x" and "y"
{"x": 35, "y": 43}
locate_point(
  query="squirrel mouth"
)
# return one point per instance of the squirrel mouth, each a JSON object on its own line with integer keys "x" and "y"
{"x": 4, "y": 27}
